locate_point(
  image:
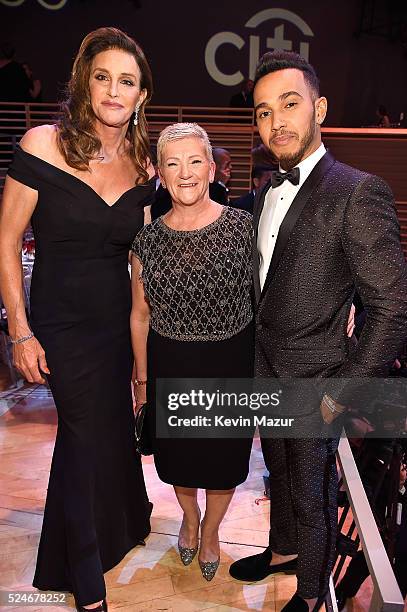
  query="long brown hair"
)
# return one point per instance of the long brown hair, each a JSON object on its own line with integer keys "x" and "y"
{"x": 77, "y": 140}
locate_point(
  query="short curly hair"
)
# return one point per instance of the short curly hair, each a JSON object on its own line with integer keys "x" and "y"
{"x": 273, "y": 61}
{"x": 178, "y": 131}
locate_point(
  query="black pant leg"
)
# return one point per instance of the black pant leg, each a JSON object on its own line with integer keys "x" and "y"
{"x": 283, "y": 523}
{"x": 314, "y": 492}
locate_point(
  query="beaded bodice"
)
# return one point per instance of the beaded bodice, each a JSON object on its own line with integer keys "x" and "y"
{"x": 198, "y": 282}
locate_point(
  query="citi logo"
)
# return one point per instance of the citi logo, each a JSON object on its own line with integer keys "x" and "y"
{"x": 51, "y": 6}
{"x": 252, "y": 43}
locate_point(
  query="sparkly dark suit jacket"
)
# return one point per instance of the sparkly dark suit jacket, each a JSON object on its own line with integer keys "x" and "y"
{"x": 341, "y": 233}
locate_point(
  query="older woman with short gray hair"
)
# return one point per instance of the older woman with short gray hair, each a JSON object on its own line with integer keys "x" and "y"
{"x": 192, "y": 318}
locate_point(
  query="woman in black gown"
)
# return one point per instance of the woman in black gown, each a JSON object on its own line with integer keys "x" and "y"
{"x": 192, "y": 318}
{"x": 84, "y": 183}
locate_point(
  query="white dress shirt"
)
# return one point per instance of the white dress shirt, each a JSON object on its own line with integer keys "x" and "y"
{"x": 276, "y": 205}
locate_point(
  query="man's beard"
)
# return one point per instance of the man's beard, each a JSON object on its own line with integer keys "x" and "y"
{"x": 288, "y": 161}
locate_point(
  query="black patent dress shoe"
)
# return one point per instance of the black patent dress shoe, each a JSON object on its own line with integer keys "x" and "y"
{"x": 298, "y": 604}
{"x": 257, "y": 567}
{"x": 101, "y": 608}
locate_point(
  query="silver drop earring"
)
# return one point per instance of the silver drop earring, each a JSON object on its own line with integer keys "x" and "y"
{"x": 135, "y": 120}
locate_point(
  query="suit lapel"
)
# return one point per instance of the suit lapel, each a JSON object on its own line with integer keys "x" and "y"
{"x": 257, "y": 209}
{"x": 294, "y": 214}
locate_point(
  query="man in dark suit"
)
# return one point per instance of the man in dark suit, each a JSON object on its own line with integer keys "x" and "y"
{"x": 244, "y": 98}
{"x": 260, "y": 176}
{"x": 218, "y": 190}
{"x": 14, "y": 83}
{"x": 322, "y": 230}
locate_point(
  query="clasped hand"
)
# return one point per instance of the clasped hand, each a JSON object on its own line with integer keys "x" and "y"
{"x": 140, "y": 396}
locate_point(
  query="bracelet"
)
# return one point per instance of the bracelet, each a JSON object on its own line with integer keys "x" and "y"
{"x": 331, "y": 404}
{"x": 23, "y": 339}
{"x": 138, "y": 383}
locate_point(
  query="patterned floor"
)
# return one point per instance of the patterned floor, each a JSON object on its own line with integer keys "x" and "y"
{"x": 150, "y": 578}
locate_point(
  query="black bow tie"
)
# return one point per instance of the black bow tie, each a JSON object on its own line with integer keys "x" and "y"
{"x": 278, "y": 178}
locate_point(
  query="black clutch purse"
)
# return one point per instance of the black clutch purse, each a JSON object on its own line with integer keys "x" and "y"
{"x": 143, "y": 440}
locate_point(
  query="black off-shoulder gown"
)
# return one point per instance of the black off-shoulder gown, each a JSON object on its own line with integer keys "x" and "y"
{"x": 97, "y": 507}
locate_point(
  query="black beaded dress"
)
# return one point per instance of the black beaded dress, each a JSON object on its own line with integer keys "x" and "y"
{"x": 97, "y": 507}
{"x": 198, "y": 284}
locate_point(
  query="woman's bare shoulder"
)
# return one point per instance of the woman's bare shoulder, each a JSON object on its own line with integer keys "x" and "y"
{"x": 41, "y": 141}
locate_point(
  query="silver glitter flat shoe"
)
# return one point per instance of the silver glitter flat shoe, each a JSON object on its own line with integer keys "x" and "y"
{"x": 209, "y": 568}
{"x": 187, "y": 554}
